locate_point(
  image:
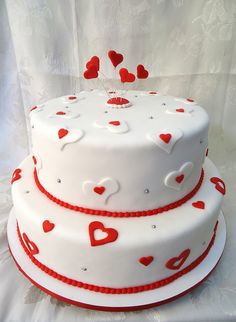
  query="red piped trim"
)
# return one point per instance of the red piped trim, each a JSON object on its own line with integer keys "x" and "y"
{"x": 123, "y": 290}
{"x": 107, "y": 213}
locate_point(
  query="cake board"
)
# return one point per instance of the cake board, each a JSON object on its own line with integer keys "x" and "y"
{"x": 115, "y": 302}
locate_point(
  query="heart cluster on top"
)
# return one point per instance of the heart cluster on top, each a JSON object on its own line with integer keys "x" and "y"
{"x": 93, "y": 67}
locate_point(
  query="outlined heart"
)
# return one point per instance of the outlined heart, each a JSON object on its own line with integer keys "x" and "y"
{"x": 146, "y": 260}
{"x": 176, "y": 179}
{"x": 199, "y": 204}
{"x": 219, "y": 184}
{"x": 111, "y": 234}
{"x": 32, "y": 247}
{"x": 91, "y": 72}
{"x": 16, "y": 175}
{"x": 125, "y": 76}
{"x": 176, "y": 262}
{"x": 165, "y": 139}
{"x": 94, "y": 61}
{"x": 115, "y": 58}
{"x": 47, "y": 226}
{"x": 142, "y": 73}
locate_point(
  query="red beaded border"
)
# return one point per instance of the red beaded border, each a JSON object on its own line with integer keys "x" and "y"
{"x": 123, "y": 290}
{"x": 97, "y": 212}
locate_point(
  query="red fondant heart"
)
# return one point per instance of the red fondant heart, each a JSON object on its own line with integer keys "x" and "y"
{"x": 33, "y": 108}
{"x": 125, "y": 76}
{"x": 91, "y": 72}
{"x": 152, "y": 92}
{"x": 72, "y": 98}
{"x": 165, "y": 137}
{"x": 190, "y": 100}
{"x": 207, "y": 150}
{"x": 60, "y": 113}
{"x": 177, "y": 262}
{"x": 181, "y": 110}
{"x": 112, "y": 234}
{"x": 99, "y": 189}
{"x": 219, "y": 184}
{"x": 115, "y": 57}
{"x": 142, "y": 72}
{"x": 118, "y": 101}
{"x": 62, "y": 133}
{"x": 48, "y": 226}
{"x": 199, "y": 204}
{"x": 94, "y": 61}
{"x": 115, "y": 123}
{"x": 16, "y": 175}
{"x": 146, "y": 260}
{"x": 33, "y": 249}
{"x": 34, "y": 159}
{"x": 180, "y": 178}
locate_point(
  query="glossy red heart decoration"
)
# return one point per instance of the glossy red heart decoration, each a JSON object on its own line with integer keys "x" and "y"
{"x": 181, "y": 110}
{"x": 165, "y": 137}
{"x": 16, "y": 175}
{"x": 177, "y": 262}
{"x": 115, "y": 57}
{"x": 125, "y": 76}
{"x": 180, "y": 178}
{"x": 219, "y": 184}
{"x": 146, "y": 260}
{"x": 60, "y": 113}
{"x": 115, "y": 123}
{"x": 47, "y": 226}
{"x": 199, "y": 204}
{"x": 112, "y": 234}
{"x": 99, "y": 190}
{"x": 142, "y": 73}
{"x": 33, "y": 249}
{"x": 62, "y": 133}
{"x": 94, "y": 61}
{"x": 91, "y": 72}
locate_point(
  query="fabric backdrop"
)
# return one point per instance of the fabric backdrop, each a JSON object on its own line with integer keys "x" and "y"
{"x": 189, "y": 48}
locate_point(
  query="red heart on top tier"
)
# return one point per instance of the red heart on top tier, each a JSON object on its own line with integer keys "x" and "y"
{"x": 199, "y": 204}
{"x": 72, "y": 98}
{"x": 99, "y": 190}
{"x": 48, "y": 226}
{"x": 94, "y": 61}
{"x": 16, "y": 175}
{"x": 190, "y": 100}
{"x": 34, "y": 159}
{"x": 125, "y": 76}
{"x": 60, "y": 113}
{"x": 177, "y": 262}
{"x": 115, "y": 123}
{"x": 33, "y": 249}
{"x": 33, "y": 108}
{"x": 62, "y": 133}
{"x": 115, "y": 57}
{"x": 181, "y": 110}
{"x": 146, "y": 260}
{"x": 219, "y": 184}
{"x": 165, "y": 137}
{"x": 112, "y": 234}
{"x": 91, "y": 72}
{"x": 180, "y": 178}
{"x": 142, "y": 73}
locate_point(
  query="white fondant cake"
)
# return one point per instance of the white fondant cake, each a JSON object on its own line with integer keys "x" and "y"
{"x": 115, "y": 200}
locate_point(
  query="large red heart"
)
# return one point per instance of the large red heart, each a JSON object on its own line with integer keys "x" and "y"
{"x": 177, "y": 262}
{"x": 115, "y": 123}
{"x": 62, "y": 133}
{"x": 180, "y": 178}
{"x": 16, "y": 175}
{"x": 33, "y": 249}
{"x": 146, "y": 260}
{"x": 99, "y": 189}
{"x": 142, "y": 73}
{"x": 94, "y": 61}
{"x": 48, "y": 226}
{"x": 125, "y": 76}
{"x": 91, "y": 72}
{"x": 219, "y": 184}
{"x": 112, "y": 234}
{"x": 199, "y": 204}
{"x": 165, "y": 137}
{"x": 115, "y": 57}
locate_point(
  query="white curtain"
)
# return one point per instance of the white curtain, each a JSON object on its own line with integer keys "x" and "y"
{"x": 187, "y": 45}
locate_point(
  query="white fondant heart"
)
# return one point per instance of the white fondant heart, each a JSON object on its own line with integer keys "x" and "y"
{"x": 114, "y": 125}
{"x": 165, "y": 139}
{"x": 176, "y": 179}
{"x": 101, "y": 190}
{"x": 185, "y": 100}
{"x": 71, "y": 135}
{"x": 185, "y": 111}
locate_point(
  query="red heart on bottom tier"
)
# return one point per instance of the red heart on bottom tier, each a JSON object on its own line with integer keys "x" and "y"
{"x": 112, "y": 234}
{"x": 146, "y": 260}
{"x": 16, "y": 175}
{"x": 177, "y": 262}
{"x": 219, "y": 184}
{"x": 33, "y": 249}
{"x": 48, "y": 226}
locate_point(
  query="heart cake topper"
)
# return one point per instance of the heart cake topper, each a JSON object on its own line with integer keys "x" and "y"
{"x": 142, "y": 73}
{"x": 165, "y": 139}
{"x": 115, "y": 58}
{"x": 176, "y": 179}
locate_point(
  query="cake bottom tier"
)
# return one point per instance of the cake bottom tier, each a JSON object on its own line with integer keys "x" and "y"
{"x": 116, "y": 255}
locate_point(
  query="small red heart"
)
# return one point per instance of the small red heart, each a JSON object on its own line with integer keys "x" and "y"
{"x": 190, "y": 100}
{"x": 142, "y": 73}
{"x": 165, "y": 137}
{"x": 180, "y": 178}
{"x": 115, "y": 57}
{"x": 199, "y": 204}
{"x": 125, "y": 76}
{"x": 181, "y": 110}
{"x": 207, "y": 150}
{"x": 112, "y": 234}
{"x": 152, "y": 92}
{"x": 177, "y": 262}
{"x": 146, "y": 260}
{"x": 91, "y": 72}
{"x": 16, "y": 175}
{"x": 33, "y": 108}
{"x": 33, "y": 249}
{"x": 94, "y": 61}
{"x": 115, "y": 123}
{"x": 34, "y": 159}
{"x": 72, "y": 97}
{"x": 99, "y": 190}
{"x": 60, "y": 113}
{"x": 118, "y": 101}
{"x": 48, "y": 226}
{"x": 219, "y": 184}
{"x": 62, "y": 133}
